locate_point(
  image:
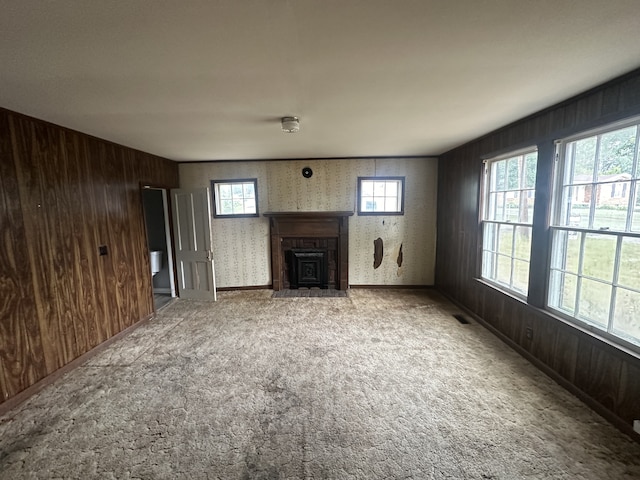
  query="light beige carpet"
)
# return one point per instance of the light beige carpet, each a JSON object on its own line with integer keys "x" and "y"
{"x": 379, "y": 385}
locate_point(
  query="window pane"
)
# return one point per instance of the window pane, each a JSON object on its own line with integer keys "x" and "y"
{"x": 392, "y": 188}
{"x": 248, "y": 190}
{"x": 595, "y": 298}
{"x": 250, "y": 205}
{"x": 521, "y": 276}
{"x": 627, "y": 314}
{"x": 225, "y": 191}
{"x": 635, "y": 222}
{"x": 530, "y": 167}
{"x": 367, "y": 204}
{"x": 236, "y": 190}
{"x": 378, "y": 189}
{"x": 526, "y": 208}
{"x": 488, "y": 265}
{"x": 523, "y": 243}
{"x": 629, "y": 274}
{"x": 489, "y": 236}
{"x": 519, "y": 207}
{"x": 611, "y": 210}
{"x": 238, "y": 206}
{"x": 616, "y": 152}
{"x": 513, "y": 206}
{"x": 584, "y": 161}
{"x": 367, "y": 188}
{"x": 498, "y": 210}
{"x": 565, "y": 251}
{"x": 503, "y": 274}
{"x": 576, "y": 206}
{"x": 563, "y": 288}
{"x": 599, "y": 256}
{"x": 226, "y": 207}
{"x": 499, "y": 170}
{"x": 505, "y": 240}
{"x": 513, "y": 173}
{"x": 391, "y": 204}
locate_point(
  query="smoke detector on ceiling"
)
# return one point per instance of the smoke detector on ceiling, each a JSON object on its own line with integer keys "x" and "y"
{"x": 290, "y": 124}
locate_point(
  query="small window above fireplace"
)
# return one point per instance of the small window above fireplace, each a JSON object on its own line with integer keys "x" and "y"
{"x": 380, "y": 195}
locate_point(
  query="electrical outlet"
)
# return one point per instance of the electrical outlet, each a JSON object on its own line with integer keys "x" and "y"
{"x": 529, "y": 333}
{"x": 636, "y": 426}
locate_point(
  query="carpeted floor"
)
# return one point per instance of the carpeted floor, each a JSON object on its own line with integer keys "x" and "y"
{"x": 382, "y": 384}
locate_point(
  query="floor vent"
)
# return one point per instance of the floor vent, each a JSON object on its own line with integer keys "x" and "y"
{"x": 460, "y": 318}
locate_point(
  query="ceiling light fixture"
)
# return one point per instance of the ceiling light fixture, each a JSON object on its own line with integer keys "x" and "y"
{"x": 290, "y": 124}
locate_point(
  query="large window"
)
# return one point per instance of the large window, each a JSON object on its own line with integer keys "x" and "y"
{"x": 380, "y": 195}
{"x": 595, "y": 258}
{"x": 509, "y": 196}
{"x": 235, "y": 198}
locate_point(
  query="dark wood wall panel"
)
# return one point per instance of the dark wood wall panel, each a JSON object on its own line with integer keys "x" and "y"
{"x": 21, "y": 356}
{"x": 607, "y": 375}
{"x": 63, "y": 194}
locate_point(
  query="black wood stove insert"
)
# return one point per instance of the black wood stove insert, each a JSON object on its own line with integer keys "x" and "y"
{"x": 307, "y": 268}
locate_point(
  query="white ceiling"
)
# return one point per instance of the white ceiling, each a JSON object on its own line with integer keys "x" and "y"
{"x": 209, "y": 80}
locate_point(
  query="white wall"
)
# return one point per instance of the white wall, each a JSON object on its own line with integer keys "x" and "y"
{"x": 241, "y": 245}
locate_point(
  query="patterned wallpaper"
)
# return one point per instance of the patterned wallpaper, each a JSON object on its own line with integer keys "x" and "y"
{"x": 241, "y": 245}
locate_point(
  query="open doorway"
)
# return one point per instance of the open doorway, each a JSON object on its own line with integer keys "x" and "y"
{"x": 156, "y": 215}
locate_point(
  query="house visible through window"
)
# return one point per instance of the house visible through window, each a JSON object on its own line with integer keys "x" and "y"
{"x": 235, "y": 198}
{"x": 509, "y": 197}
{"x": 380, "y": 195}
{"x": 595, "y": 258}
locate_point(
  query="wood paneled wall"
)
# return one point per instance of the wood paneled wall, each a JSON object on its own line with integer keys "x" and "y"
{"x": 63, "y": 194}
{"x": 604, "y": 376}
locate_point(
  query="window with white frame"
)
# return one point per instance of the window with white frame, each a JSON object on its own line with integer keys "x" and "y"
{"x": 595, "y": 256}
{"x": 509, "y": 197}
{"x": 380, "y": 195}
{"x": 235, "y": 198}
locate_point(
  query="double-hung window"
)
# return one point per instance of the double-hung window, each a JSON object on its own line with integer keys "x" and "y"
{"x": 595, "y": 257}
{"x": 509, "y": 196}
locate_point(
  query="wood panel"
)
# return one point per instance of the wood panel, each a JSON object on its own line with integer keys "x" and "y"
{"x": 21, "y": 356}
{"x": 63, "y": 195}
{"x": 601, "y": 372}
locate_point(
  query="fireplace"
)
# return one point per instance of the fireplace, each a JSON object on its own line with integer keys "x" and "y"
{"x": 311, "y": 244}
{"x": 307, "y": 268}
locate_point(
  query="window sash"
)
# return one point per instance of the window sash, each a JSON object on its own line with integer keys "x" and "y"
{"x": 593, "y": 277}
{"x": 505, "y": 256}
{"x": 508, "y": 202}
{"x": 592, "y": 301}
{"x": 380, "y": 195}
{"x": 235, "y": 198}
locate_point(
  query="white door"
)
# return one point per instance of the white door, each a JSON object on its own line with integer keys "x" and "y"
{"x": 192, "y": 232}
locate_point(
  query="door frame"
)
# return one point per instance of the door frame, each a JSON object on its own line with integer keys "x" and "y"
{"x": 168, "y": 229}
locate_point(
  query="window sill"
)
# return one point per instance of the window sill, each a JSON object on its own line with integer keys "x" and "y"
{"x": 509, "y": 293}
